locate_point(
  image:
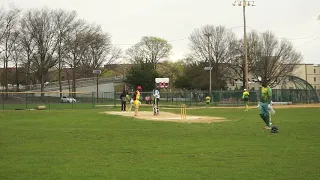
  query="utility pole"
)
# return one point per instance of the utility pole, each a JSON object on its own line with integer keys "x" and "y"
{"x": 244, "y": 3}
{"x": 209, "y": 59}
{"x": 97, "y": 72}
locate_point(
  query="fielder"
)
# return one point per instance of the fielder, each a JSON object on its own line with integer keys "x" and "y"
{"x": 245, "y": 97}
{"x": 208, "y": 99}
{"x": 136, "y": 100}
{"x": 265, "y": 99}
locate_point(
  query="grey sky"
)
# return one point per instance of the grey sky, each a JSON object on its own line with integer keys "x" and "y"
{"x": 128, "y": 20}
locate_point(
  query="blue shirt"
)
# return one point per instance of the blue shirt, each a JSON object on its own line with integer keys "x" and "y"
{"x": 156, "y": 94}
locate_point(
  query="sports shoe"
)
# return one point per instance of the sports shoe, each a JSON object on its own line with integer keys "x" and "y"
{"x": 267, "y": 127}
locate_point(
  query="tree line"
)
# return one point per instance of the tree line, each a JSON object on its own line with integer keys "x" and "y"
{"x": 269, "y": 59}
{"x": 41, "y": 40}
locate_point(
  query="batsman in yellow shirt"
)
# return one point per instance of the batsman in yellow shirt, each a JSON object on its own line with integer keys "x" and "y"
{"x": 245, "y": 97}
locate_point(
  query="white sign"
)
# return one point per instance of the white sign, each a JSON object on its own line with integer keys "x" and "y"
{"x": 97, "y": 71}
{"x": 162, "y": 80}
{"x": 207, "y": 68}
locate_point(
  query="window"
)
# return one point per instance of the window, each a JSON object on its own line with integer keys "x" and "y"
{"x": 314, "y": 70}
{"x": 314, "y": 79}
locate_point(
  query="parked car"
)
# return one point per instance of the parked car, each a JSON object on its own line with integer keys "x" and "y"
{"x": 65, "y": 99}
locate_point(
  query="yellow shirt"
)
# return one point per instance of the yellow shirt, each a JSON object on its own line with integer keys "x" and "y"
{"x": 266, "y": 94}
{"x": 138, "y": 95}
{"x": 245, "y": 95}
{"x": 136, "y": 102}
{"x": 208, "y": 98}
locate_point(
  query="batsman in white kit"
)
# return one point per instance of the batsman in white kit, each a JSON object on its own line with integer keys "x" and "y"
{"x": 156, "y": 99}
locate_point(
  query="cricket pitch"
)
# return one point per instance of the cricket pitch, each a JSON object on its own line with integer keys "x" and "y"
{"x": 166, "y": 116}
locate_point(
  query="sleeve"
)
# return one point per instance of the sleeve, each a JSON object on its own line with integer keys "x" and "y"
{"x": 270, "y": 95}
{"x": 242, "y": 95}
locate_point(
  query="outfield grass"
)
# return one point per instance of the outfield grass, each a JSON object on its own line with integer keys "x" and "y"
{"x": 83, "y": 144}
{"x": 54, "y": 103}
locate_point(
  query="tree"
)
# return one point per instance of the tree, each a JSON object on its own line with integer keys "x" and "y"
{"x": 77, "y": 47}
{"x": 100, "y": 52}
{"x": 63, "y": 21}
{"x": 152, "y": 49}
{"x": 8, "y": 38}
{"x": 17, "y": 56}
{"x": 171, "y": 70}
{"x": 193, "y": 77}
{"x": 27, "y": 44}
{"x": 217, "y": 49}
{"x": 273, "y": 59}
{"x": 43, "y": 30}
{"x": 237, "y": 63}
{"x": 142, "y": 74}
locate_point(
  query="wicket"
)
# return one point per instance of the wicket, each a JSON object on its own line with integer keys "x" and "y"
{"x": 183, "y": 111}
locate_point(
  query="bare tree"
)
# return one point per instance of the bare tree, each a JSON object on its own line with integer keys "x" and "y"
{"x": 43, "y": 30}
{"x": 217, "y": 49}
{"x": 77, "y": 43}
{"x": 63, "y": 22}
{"x": 8, "y": 38}
{"x": 274, "y": 59}
{"x": 27, "y": 44}
{"x": 2, "y": 23}
{"x": 101, "y": 52}
{"x": 17, "y": 56}
{"x": 237, "y": 63}
{"x": 152, "y": 49}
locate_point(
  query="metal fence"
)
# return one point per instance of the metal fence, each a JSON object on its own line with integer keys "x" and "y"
{"x": 226, "y": 98}
{"x": 83, "y": 100}
{"x": 52, "y": 100}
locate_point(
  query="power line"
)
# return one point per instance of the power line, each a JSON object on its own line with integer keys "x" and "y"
{"x": 308, "y": 42}
{"x": 290, "y": 39}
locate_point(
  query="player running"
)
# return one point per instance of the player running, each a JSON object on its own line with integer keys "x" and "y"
{"x": 245, "y": 97}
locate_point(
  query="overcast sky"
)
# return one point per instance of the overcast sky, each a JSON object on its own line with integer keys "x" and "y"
{"x": 128, "y": 20}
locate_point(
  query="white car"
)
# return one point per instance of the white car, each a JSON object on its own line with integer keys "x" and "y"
{"x": 65, "y": 99}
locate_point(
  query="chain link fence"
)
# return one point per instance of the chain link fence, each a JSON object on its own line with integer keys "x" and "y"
{"x": 225, "y": 98}
{"x": 83, "y": 100}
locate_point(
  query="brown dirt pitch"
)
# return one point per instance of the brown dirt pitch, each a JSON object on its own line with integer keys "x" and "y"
{"x": 166, "y": 116}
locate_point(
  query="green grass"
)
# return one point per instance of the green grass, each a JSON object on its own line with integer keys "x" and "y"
{"x": 83, "y": 144}
{"x": 89, "y": 103}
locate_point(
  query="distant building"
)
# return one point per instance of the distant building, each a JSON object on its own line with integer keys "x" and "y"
{"x": 309, "y": 73}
